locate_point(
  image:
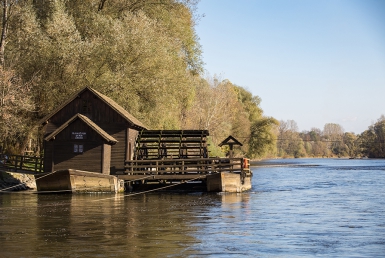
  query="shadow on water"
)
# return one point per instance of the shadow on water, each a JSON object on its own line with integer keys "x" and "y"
{"x": 89, "y": 225}
{"x": 327, "y": 208}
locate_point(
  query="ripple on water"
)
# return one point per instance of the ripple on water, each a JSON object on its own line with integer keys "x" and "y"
{"x": 304, "y": 208}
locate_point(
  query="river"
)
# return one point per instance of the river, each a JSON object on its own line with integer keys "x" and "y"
{"x": 296, "y": 208}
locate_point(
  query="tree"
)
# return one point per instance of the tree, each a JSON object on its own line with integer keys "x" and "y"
{"x": 262, "y": 139}
{"x": 143, "y": 54}
{"x": 259, "y": 130}
{"x": 350, "y": 142}
{"x": 373, "y": 139}
{"x": 6, "y": 11}
{"x": 214, "y": 108}
{"x": 334, "y": 133}
{"x": 289, "y": 142}
{"x": 16, "y": 108}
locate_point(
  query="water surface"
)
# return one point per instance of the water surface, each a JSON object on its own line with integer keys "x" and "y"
{"x": 296, "y": 208}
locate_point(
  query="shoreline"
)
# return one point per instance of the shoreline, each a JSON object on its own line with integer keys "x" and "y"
{"x": 13, "y": 181}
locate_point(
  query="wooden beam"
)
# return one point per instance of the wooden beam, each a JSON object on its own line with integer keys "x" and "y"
{"x": 161, "y": 177}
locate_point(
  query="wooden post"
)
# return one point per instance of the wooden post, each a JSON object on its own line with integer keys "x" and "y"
{"x": 21, "y": 162}
{"x": 231, "y": 150}
{"x": 41, "y": 165}
{"x": 128, "y": 145}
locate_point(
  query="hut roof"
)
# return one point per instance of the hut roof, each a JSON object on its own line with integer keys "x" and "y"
{"x": 230, "y": 141}
{"x": 86, "y": 120}
{"x": 115, "y": 106}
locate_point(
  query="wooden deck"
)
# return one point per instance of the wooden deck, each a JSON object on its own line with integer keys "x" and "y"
{"x": 181, "y": 169}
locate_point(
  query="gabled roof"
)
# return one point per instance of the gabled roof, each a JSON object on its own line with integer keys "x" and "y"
{"x": 230, "y": 140}
{"x": 86, "y": 120}
{"x": 115, "y": 106}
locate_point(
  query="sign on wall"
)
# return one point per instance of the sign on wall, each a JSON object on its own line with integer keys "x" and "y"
{"x": 79, "y": 135}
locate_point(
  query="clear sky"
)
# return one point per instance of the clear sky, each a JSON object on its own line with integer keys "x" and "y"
{"x": 311, "y": 61}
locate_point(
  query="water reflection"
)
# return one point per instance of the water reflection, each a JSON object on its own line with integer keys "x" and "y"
{"x": 157, "y": 225}
{"x": 325, "y": 210}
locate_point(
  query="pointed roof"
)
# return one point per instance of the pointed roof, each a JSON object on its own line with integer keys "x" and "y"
{"x": 86, "y": 120}
{"x": 115, "y": 106}
{"x": 230, "y": 141}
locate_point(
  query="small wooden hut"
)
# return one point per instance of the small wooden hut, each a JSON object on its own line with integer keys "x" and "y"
{"x": 231, "y": 142}
{"x": 89, "y": 132}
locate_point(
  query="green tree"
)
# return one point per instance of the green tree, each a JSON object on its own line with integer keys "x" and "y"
{"x": 144, "y": 54}
{"x": 262, "y": 139}
{"x": 350, "y": 140}
{"x": 289, "y": 142}
{"x": 373, "y": 140}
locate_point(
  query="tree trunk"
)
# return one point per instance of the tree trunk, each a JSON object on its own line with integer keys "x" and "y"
{"x": 4, "y": 27}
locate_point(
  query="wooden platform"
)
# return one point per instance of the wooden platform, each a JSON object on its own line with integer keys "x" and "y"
{"x": 216, "y": 174}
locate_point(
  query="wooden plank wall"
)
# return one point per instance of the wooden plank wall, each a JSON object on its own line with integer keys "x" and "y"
{"x": 89, "y": 160}
{"x": 48, "y": 158}
{"x": 106, "y": 159}
{"x": 105, "y": 117}
{"x": 64, "y": 156}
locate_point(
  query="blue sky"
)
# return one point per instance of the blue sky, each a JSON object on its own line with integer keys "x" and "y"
{"x": 314, "y": 62}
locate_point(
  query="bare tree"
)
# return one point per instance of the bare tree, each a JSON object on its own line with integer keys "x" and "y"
{"x": 6, "y": 9}
{"x": 333, "y": 131}
{"x": 15, "y": 110}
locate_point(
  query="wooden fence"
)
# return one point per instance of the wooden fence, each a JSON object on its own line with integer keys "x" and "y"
{"x": 185, "y": 166}
{"x": 21, "y": 163}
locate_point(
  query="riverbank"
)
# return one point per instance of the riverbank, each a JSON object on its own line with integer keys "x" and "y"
{"x": 12, "y": 181}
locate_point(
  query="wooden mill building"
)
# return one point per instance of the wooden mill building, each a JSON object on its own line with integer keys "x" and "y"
{"x": 90, "y": 135}
{"x": 89, "y": 132}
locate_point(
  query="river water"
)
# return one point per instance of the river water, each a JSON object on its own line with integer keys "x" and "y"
{"x": 296, "y": 208}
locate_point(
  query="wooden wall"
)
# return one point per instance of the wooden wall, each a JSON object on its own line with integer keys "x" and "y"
{"x": 106, "y": 159}
{"x": 48, "y": 158}
{"x": 106, "y": 118}
{"x": 89, "y": 105}
{"x": 63, "y": 149}
{"x": 132, "y": 134}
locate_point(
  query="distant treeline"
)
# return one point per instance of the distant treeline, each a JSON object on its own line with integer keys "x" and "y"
{"x": 332, "y": 141}
{"x": 144, "y": 54}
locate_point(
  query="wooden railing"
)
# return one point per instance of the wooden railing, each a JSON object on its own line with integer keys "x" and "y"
{"x": 21, "y": 163}
{"x": 184, "y": 166}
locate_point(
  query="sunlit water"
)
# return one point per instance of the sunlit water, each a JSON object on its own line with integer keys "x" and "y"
{"x": 297, "y": 208}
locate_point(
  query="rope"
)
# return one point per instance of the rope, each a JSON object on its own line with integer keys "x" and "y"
{"x": 139, "y": 178}
{"x": 7, "y": 188}
{"x": 143, "y": 192}
{"x": 153, "y": 190}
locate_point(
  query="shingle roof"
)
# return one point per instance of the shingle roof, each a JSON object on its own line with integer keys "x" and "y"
{"x": 86, "y": 120}
{"x": 115, "y": 106}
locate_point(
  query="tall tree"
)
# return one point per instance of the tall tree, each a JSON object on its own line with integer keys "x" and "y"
{"x": 144, "y": 54}
{"x": 334, "y": 134}
{"x": 6, "y": 6}
{"x": 262, "y": 138}
{"x": 289, "y": 142}
{"x": 372, "y": 141}
{"x": 350, "y": 140}
{"x": 214, "y": 107}
{"x": 15, "y": 111}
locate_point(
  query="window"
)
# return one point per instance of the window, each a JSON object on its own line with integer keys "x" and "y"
{"x": 78, "y": 148}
